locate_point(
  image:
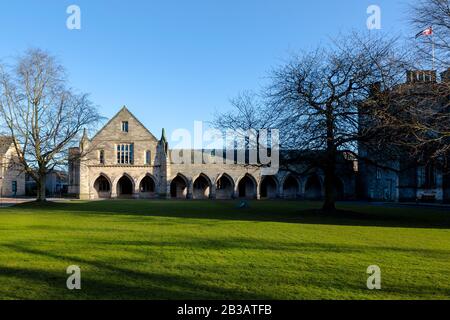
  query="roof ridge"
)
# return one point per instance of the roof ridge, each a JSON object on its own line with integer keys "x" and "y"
{"x": 124, "y": 108}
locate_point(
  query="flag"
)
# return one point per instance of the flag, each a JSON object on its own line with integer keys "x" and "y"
{"x": 426, "y": 32}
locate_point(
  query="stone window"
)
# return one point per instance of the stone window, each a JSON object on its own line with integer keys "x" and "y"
{"x": 124, "y": 126}
{"x": 101, "y": 156}
{"x": 148, "y": 157}
{"x": 427, "y": 176}
{"x": 379, "y": 174}
{"x": 125, "y": 154}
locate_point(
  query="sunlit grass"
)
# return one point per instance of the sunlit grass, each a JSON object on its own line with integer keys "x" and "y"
{"x": 213, "y": 250}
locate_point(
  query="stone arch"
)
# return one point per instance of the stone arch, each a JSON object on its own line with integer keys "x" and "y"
{"x": 147, "y": 186}
{"x": 102, "y": 186}
{"x": 291, "y": 187}
{"x": 313, "y": 187}
{"x": 247, "y": 187}
{"x": 268, "y": 187}
{"x": 125, "y": 186}
{"x": 201, "y": 187}
{"x": 446, "y": 187}
{"x": 339, "y": 191}
{"x": 224, "y": 187}
{"x": 179, "y": 187}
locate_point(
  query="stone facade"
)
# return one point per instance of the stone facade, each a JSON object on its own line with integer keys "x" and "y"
{"x": 407, "y": 181}
{"x": 55, "y": 184}
{"x": 124, "y": 159}
{"x": 402, "y": 178}
{"x": 12, "y": 178}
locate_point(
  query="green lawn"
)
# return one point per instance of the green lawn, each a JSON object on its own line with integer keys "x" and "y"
{"x": 213, "y": 250}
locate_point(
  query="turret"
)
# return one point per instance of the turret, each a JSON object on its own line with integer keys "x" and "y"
{"x": 84, "y": 172}
{"x": 164, "y": 161}
{"x": 163, "y": 142}
{"x": 84, "y": 142}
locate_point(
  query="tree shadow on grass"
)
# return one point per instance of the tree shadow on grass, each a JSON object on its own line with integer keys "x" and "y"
{"x": 231, "y": 243}
{"x": 259, "y": 211}
{"x": 114, "y": 282}
{"x": 108, "y": 281}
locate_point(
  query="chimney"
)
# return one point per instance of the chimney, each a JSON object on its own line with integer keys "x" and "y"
{"x": 421, "y": 76}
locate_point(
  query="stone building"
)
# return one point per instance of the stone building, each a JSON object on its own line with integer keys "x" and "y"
{"x": 12, "y": 178}
{"x": 400, "y": 177}
{"x": 124, "y": 159}
{"x": 55, "y": 184}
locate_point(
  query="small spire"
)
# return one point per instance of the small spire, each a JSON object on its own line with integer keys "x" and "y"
{"x": 85, "y": 136}
{"x": 163, "y": 141}
{"x": 84, "y": 142}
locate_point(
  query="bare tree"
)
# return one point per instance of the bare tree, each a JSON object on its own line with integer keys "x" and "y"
{"x": 249, "y": 111}
{"x": 419, "y": 117}
{"x": 41, "y": 114}
{"x": 316, "y": 100}
{"x": 321, "y": 95}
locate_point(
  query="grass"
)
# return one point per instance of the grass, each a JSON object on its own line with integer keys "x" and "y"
{"x": 213, "y": 250}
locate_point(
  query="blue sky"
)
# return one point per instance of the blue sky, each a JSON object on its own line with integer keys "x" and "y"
{"x": 174, "y": 62}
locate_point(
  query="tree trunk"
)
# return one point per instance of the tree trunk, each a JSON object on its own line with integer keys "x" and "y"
{"x": 330, "y": 163}
{"x": 41, "y": 192}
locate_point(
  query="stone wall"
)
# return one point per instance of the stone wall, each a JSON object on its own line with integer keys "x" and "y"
{"x": 11, "y": 173}
{"x": 211, "y": 178}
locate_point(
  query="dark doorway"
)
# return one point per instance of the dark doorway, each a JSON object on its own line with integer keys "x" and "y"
{"x": 290, "y": 188}
{"x": 247, "y": 188}
{"x": 224, "y": 188}
{"x": 242, "y": 193}
{"x": 178, "y": 188}
{"x": 339, "y": 190}
{"x": 201, "y": 188}
{"x": 313, "y": 188}
{"x": 147, "y": 185}
{"x": 124, "y": 187}
{"x": 268, "y": 188}
{"x": 446, "y": 187}
{"x": 103, "y": 187}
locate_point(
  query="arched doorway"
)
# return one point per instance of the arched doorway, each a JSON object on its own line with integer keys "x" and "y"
{"x": 446, "y": 187}
{"x": 103, "y": 187}
{"x": 313, "y": 188}
{"x": 268, "y": 189}
{"x": 202, "y": 187}
{"x": 291, "y": 188}
{"x": 247, "y": 187}
{"x": 124, "y": 187}
{"x": 147, "y": 187}
{"x": 178, "y": 188}
{"x": 225, "y": 187}
{"x": 339, "y": 189}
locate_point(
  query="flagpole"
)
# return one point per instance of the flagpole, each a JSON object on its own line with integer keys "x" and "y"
{"x": 433, "y": 51}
